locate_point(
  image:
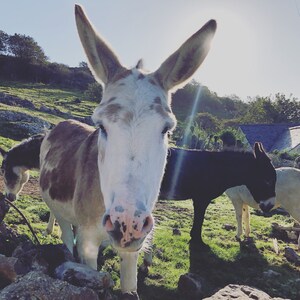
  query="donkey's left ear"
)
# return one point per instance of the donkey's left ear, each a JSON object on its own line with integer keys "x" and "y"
{"x": 3, "y": 152}
{"x": 103, "y": 62}
{"x": 259, "y": 150}
{"x": 184, "y": 62}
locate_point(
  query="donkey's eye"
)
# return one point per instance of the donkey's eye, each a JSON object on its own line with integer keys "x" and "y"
{"x": 103, "y": 130}
{"x": 165, "y": 130}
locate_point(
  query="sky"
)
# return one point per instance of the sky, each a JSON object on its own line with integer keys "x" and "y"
{"x": 256, "y": 49}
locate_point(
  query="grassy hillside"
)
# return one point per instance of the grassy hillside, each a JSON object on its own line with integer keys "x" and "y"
{"x": 228, "y": 261}
{"x": 48, "y": 103}
{"x": 40, "y": 94}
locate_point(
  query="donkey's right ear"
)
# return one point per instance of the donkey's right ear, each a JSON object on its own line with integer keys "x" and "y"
{"x": 3, "y": 152}
{"x": 184, "y": 62}
{"x": 103, "y": 62}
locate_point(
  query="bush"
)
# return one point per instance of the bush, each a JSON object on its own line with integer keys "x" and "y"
{"x": 94, "y": 92}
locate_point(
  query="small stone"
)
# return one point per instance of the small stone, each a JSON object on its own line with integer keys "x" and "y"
{"x": 190, "y": 285}
{"x": 176, "y": 231}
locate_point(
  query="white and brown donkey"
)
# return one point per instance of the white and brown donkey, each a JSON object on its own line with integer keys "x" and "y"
{"x": 116, "y": 199}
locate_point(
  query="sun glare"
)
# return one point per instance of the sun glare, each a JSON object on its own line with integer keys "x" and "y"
{"x": 231, "y": 64}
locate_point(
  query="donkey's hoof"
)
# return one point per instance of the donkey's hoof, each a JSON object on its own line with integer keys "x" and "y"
{"x": 238, "y": 238}
{"x": 130, "y": 296}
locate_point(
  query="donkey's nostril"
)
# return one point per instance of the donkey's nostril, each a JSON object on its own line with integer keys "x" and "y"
{"x": 148, "y": 224}
{"x": 107, "y": 223}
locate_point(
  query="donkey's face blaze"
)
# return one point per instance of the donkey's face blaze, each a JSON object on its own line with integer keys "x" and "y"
{"x": 134, "y": 117}
{"x": 14, "y": 179}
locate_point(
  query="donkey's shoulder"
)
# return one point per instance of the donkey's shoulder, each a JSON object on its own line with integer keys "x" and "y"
{"x": 70, "y": 131}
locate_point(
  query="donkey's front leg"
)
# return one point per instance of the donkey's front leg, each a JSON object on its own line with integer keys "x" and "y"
{"x": 88, "y": 241}
{"x": 129, "y": 272}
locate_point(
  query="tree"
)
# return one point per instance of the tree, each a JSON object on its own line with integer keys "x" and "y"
{"x": 83, "y": 65}
{"x": 260, "y": 110}
{"x": 228, "y": 138}
{"x": 26, "y": 48}
{"x": 94, "y": 92}
{"x": 208, "y": 122}
{"x": 3, "y": 42}
{"x": 288, "y": 109}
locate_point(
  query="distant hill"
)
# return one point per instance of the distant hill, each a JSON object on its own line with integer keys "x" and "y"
{"x": 16, "y": 69}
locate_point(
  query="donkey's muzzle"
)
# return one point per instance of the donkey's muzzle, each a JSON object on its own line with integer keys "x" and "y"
{"x": 11, "y": 197}
{"x": 127, "y": 232}
{"x": 266, "y": 206}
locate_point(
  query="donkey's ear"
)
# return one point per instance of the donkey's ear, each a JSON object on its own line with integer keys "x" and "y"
{"x": 183, "y": 63}
{"x": 3, "y": 152}
{"x": 259, "y": 150}
{"x": 103, "y": 62}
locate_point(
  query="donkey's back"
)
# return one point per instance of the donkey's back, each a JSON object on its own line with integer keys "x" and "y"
{"x": 69, "y": 179}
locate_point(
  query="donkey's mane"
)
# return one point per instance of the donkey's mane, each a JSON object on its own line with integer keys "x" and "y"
{"x": 28, "y": 142}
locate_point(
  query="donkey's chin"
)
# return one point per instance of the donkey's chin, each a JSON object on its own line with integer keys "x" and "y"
{"x": 267, "y": 205}
{"x": 134, "y": 245}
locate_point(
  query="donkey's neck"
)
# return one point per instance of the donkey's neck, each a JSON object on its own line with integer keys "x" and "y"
{"x": 237, "y": 167}
{"x": 27, "y": 154}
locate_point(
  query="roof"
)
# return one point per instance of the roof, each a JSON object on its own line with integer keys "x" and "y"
{"x": 273, "y": 136}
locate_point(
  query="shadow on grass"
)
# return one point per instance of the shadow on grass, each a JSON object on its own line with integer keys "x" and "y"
{"x": 247, "y": 269}
{"x": 215, "y": 272}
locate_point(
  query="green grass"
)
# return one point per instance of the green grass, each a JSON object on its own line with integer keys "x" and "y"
{"x": 227, "y": 262}
{"x": 53, "y": 97}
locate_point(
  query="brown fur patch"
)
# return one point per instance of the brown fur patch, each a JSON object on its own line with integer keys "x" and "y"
{"x": 121, "y": 75}
{"x": 157, "y": 100}
{"x": 127, "y": 117}
{"x": 111, "y": 111}
{"x": 63, "y": 159}
{"x": 152, "y": 81}
{"x": 111, "y": 100}
{"x": 160, "y": 109}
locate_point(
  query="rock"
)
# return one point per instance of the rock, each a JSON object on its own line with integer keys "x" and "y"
{"x": 9, "y": 239}
{"x": 176, "y": 231}
{"x": 10, "y": 268}
{"x": 130, "y": 296}
{"x": 16, "y": 101}
{"x": 37, "y": 285}
{"x": 229, "y": 227}
{"x": 4, "y": 207}
{"x": 240, "y": 292}
{"x": 43, "y": 258}
{"x": 82, "y": 275}
{"x": 19, "y": 125}
{"x": 292, "y": 256}
{"x": 271, "y": 274}
{"x": 190, "y": 285}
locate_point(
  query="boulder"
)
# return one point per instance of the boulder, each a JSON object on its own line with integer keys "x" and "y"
{"x": 82, "y": 275}
{"x": 19, "y": 125}
{"x": 9, "y": 239}
{"x": 10, "y": 268}
{"x": 240, "y": 292}
{"x": 190, "y": 285}
{"x": 37, "y": 285}
{"x": 43, "y": 258}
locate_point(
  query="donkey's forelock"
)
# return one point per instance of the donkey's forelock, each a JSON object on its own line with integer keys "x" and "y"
{"x": 131, "y": 96}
